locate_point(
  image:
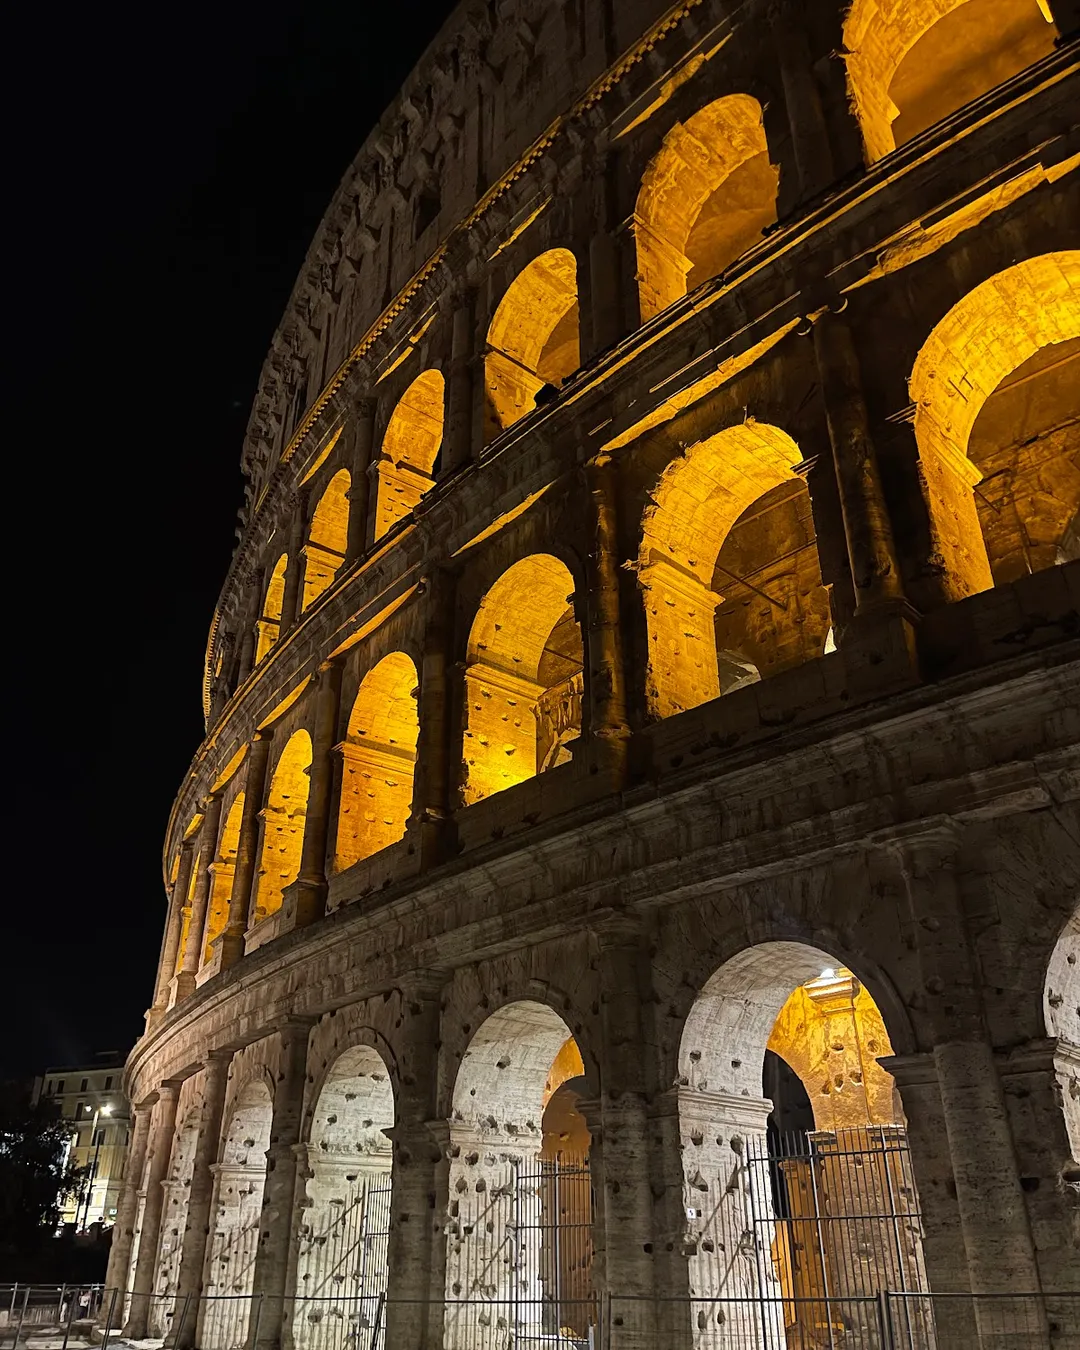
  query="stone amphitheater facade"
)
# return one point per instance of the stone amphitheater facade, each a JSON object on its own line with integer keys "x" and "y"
{"x": 655, "y": 600}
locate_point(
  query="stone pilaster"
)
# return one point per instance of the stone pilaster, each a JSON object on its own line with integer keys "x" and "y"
{"x": 608, "y": 724}
{"x": 174, "y": 927}
{"x": 624, "y": 1259}
{"x": 277, "y": 1227}
{"x": 292, "y": 603}
{"x": 806, "y": 120}
{"x": 461, "y": 415}
{"x": 200, "y": 1200}
{"x": 993, "y": 1214}
{"x": 160, "y": 1147}
{"x": 363, "y": 434}
{"x": 247, "y": 852}
{"x": 420, "y": 1189}
{"x": 431, "y": 822}
{"x": 306, "y": 898}
{"x": 191, "y": 959}
{"x": 879, "y": 645}
{"x": 123, "y": 1234}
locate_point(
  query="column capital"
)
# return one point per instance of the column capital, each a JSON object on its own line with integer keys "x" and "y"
{"x": 426, "y": 984}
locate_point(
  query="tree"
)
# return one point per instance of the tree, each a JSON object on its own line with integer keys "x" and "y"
{"x": 35, "y": 1176}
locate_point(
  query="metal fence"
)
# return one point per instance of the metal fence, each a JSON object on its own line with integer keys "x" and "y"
{"x": 47, "y": 1318}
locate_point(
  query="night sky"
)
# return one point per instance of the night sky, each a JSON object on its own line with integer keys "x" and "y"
{"x": 171, "y": 168}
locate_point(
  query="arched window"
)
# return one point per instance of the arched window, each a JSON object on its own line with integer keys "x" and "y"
{"x": 911, "y": 63}
{"x": 328, "y": 537}
{"x": 706, "y": 197}
{"x": 521, "y": 1182}
{"x": 413, "y": 436}
{"x": 524, "y": 678}
{"x": 345, "y": 1228}
{"x": 283, "y": 825}
{"x": 223, "y": 868}
{"x": 268, "y": 627}
{"x": 177, "y": 1188}
{"x": 532, "y": 342}
{"x": 225, "y": 1309}
{"x": 793, "y": 1134}
{"x": 729, "y": 568}
{"x": 997, "y": 394}
{"x": 378, "y": 757}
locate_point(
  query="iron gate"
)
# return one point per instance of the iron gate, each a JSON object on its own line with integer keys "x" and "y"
{"x": 838, "y": 1213}
{"x": 342, "y": 1261}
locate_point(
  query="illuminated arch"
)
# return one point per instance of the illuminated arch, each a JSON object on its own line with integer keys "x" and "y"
{"x": 223, "y": 869}
{"x": 517, "y": 1061}
{"x": 283, "y": 824}
{"x": 693, "y": 558}
{"x": 533, "y": 339}
{"x": 234, "y": 1235}
{"x": 412, "y": 440}
{"x": 378, "y": 759}
{"x": 1061, "y": 1005}
{"x": 911, "y": 63}
{"x": 707, "y": 195}
{"x": 328, "y": 537}
{"x": 800, "y": 1003}
{"x": 345, "y": 1228}
{"x": 268, "y": 627}
{"x": 989, "y": 334}
{"x": 523, "y": 679}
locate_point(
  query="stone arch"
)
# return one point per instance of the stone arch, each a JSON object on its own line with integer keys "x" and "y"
{"x": 1022, "y": 324}
{"x": 268, "y": 628}
{"x": 911, "y": 63}
{"x": 342, "y": 1242}
{"x": 234, "y": 1232}
{"x": 799, "y": 1002}
{"x": 176, "y": 1186}
{"x": 1061, "y": 1003}
{"x": 224, "y": 870}
{"x": 406, "y": 462}
{"x": 532, "y": 341}
{"x": 283, "y": 824}
{"x": 524, "y": 677}
{"x": 729, "y": 568}
{"x": 378, "y": 761}
{"x": 328, "y": 537}
{"x": 707, "y": 195}
{"x": 502, "y": 1199}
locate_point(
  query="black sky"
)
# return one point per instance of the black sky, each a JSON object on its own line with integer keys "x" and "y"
{"x": 168, "y": 170}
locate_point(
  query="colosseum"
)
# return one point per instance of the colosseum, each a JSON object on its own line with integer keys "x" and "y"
{"x": 628, "y": 894}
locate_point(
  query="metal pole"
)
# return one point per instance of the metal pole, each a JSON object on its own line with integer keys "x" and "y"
{"x": 72, "y": 1304}
{"x": 378, "y": 1322}
{"x": 22, "y": 1314}
{"x": 108, "y": 1321}
{"x": 821, "y": 1247}
{"x": 177, "y": 1332}
{"x": 258, "y": 1319}
{"x": 884, "y": 1319}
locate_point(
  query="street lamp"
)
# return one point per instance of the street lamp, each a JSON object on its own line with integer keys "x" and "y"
{"x": 95, "y": 1139}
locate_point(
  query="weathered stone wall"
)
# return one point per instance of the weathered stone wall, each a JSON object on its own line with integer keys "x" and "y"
{"x": 738, "y": 484}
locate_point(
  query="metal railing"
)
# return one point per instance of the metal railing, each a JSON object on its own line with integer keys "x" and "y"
{"x": 56, "y": 1317}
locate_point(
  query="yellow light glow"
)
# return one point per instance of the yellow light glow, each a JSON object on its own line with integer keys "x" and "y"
{"x": 407, "y": 458}
{"x": 912, "y": 62}
{"x": 378, "y": 757}
{"x": 283, "y": 824}
{"x": 328, "y": 537}
{"x": 705, "y": 198}
{"x": 533, "y": 337}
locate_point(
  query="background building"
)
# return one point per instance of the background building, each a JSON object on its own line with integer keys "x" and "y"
{"x": 91, "y": 1097}
{"x": 630, "y": 877}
